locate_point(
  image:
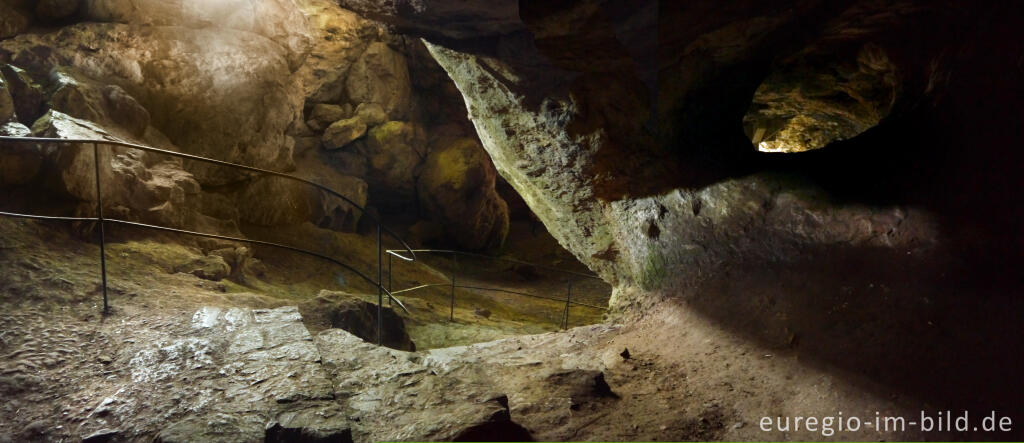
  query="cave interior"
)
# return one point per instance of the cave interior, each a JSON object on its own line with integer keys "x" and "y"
{"x": 532, "y": 220}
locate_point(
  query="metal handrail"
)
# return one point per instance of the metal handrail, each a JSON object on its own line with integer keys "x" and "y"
{"x": 102, "y": 220}
{"x": 491, "y": 257}
{"x": 377, "y": 220}
{"x": 452, "y": 284}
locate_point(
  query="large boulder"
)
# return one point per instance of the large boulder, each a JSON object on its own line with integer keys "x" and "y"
{"x": 339, "y": 38}
{"x": 162, "y": 194}
{"x": 19, "y": 162}
{"x": 393, "y": 161}
{"x": 343, "y": 132}
{"x": 381, "y": 76}
{"x": 456, "y": 186}
{"x": 73, "y": 165}
{"x": 109, "y": 105}
{"x": 208, "y": 267}
{"x": 152, "y": 190}
{"x": 27, "y": 94}
{"x": 322, "y": 115}
{"x": 372, "y": 114}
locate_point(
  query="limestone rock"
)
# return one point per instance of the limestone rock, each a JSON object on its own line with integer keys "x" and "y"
{"x": 108, "y": 105}
{"x": 200, "y": 94}
{"x": 336, "y": 214}
{"x": 323, "y": 115}
{"x": 262, "y": 361}
{"x": 327, "y": 424}
{"x": 12, "y": 21}
{"x": 55, "y": 10}
{"x": 481, "y": 412}
{"x": 74, "y": 170}
{"x": 457, "y": 187}
{"x": 334, "y": 309}
{"x": 214, "y": 427}
{"x": 19, "y": 162}
{"x": 210, "y": 267}
{"x": 343, "y": 132}
{"x": 819, "y": 98}
{"x": 275, "y": 201}
{"x": 7, "y": 109}
{"x": 218, "y": 205}
{"x": 241, "y": 261}
{"x": 339, "y": 37}
{"x": 393, "y": 162}
{"x": 381, "y": 76}
{"x": 276, "y": 20}
{"x": 304, "y": 144}
{"x": 163, "y": 194}
{"x": 27, "y": 94}
{"x": 371, "y": 113}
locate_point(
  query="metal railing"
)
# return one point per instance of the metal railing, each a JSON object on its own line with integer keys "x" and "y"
{"x": 101, "y": 220}
{"x": 453, "y": 284}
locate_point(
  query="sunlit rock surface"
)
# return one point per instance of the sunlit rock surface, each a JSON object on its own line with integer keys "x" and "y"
{"x": 813, "y": 100}
{"x": 195, "y": 83}
{"x": 245, "y": 375}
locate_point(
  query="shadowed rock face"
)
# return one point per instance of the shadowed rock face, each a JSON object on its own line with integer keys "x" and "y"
{"x": 637, "y": 154}
{"x": 609, "y": 131}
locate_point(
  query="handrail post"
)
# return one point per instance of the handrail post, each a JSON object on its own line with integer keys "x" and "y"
{"x": 390, "y": 269}
{"x": 568, "y": 298}
{"x": 455, "y": 264}
{"x": 99, "y": 218}
{"x": 380, "y": 287}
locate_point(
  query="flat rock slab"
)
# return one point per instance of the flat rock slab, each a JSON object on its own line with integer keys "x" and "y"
{"x": 236, "y": 369}
{"x": 248, "y": 375}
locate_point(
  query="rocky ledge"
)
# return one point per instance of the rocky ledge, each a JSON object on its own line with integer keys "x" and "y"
{"x": 242, "y": 375}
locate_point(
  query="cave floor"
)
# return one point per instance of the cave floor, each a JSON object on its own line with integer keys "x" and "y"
{"x": 175, "y": 371}
{"x": 69, "y": 372}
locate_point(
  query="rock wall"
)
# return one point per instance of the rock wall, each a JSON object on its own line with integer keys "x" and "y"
{"x": 376, "y": 107}
{"x": 622, "y": 127}
{"x": 294, "y": 86}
